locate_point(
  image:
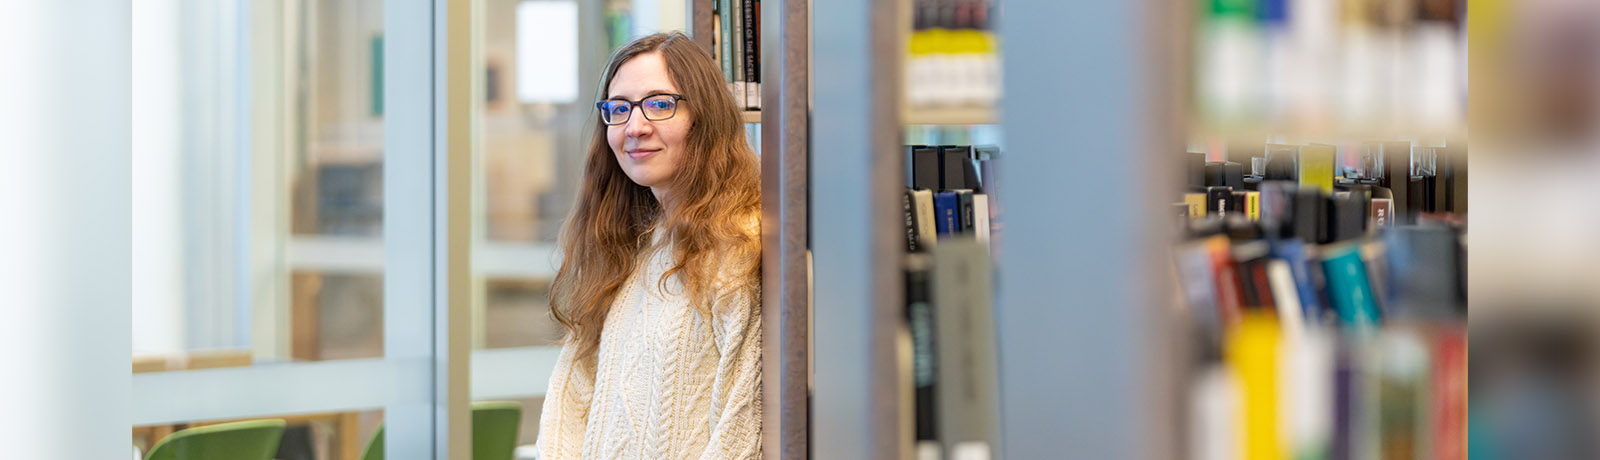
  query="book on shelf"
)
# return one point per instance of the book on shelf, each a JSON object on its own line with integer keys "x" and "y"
{"x": 964, "y": 346}
{"x": 946, "y": 209}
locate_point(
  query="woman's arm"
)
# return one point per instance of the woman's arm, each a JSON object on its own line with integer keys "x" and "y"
{"x": 736, "y": 396}
{"x": 566, "y": 408}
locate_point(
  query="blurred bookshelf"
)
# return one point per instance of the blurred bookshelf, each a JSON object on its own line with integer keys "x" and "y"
{"x": 950, "y": 116}
{"x": 750, "y": 116}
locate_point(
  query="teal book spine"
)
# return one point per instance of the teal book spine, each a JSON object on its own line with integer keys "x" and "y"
{"x": 1349, "y": 287}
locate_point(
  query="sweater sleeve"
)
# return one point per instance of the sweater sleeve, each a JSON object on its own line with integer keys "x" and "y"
{"x": 565, "y": 415}
{"x": 736, "y": 395}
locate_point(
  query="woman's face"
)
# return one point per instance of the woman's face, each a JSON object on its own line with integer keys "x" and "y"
{"x": 649, "y": 151}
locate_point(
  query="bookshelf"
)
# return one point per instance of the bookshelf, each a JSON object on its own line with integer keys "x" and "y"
{"x": 784, "y": 70}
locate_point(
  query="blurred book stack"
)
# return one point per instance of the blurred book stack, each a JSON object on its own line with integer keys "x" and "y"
{"x": 954, "y": 55}
{"x": 1328, "y": 303}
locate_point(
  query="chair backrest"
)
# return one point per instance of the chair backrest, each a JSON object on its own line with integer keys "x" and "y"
{"x": 247, "y": 440}
{"x": 495, "y": 426}
{"x": 374, "y": 449}
{"x": 494, "y": 429}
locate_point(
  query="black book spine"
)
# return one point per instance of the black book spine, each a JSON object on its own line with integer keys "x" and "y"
{"x": 954, "y": 163}
{"x": 925, "y": 168}
{"x": 1217, "y": 199}
{"x": 749, "y": 37}
{"x": 964, "y": 197}
{"x": 907, "y": 202}
{"x": 920, "y": 317}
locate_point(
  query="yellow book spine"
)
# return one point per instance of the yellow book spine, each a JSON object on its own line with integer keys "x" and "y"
{"x": 1252, "y": 352}
{"x": 1197, "y": 205}
{"x": 1252, "y": 205}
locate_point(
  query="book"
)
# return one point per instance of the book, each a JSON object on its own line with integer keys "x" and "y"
{"x": 1252, "y": 350}
{"x": 1217, "y": 198}
{"x": 1230, "y": 301}
{"x": 946, "y": 212}
{"x": 922, "y": 202}
{"x": 913, "y": 235}
{"x": 1395, "y": 159}
{"x": 965, "y": 344}
{"x": 980, "y": 219}
{"x": 955, "y": 167}
{"x": 1349, "y": 288}
{"x": 965, "y": 211}
{"x": 1316, "y": 166}
{"x": 737, "y": 37}
{"x": 748, "y": 35}
{"x": 1197, "y": 205}
{"x": 1381, "y": 214}
{"x": 1286, "y": 296}
{"x": 725, "y": 42}
{"x": 924, "y": 364}
{"x": 922, "y": 167}
{"x": 1294, "y": 254}
{"x": 1252, "y": 205}
{"x": 1449, "y": 393}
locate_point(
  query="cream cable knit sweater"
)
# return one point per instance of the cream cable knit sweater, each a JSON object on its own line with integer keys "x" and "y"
{"x": 668, "y": 384}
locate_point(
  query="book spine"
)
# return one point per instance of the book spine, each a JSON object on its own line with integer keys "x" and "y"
{"x": 980, "y": 216}
{"x": 1449, "y": 382}
{"x": 1316, "y": 167}
{"x": 923, "y": 200}
{"x": 920, "y": 318}
{"x": 749, "y": 56}
{"x": 964, "y": 199}
{"x": 1197, "y": 205}
{"x": 946, "y": 208}
{"x": 1349, "y": 289}
{"x": 907, "y": 202}
{"x": 1251, "y": 350}
{"x": 737, "y": 37}
{"x": 1381, "y": 213}
{"x": 1252, "y": 205}
{"x": 1217, "y": 199}
{"x": 724, "y": 45}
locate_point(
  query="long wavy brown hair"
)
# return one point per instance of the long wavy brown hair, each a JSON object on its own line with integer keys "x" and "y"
{"x": 709, "y": 219}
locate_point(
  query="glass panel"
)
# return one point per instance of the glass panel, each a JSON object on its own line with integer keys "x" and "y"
{"x": 263, "y": 240}
{"x": 268, "y": 226}
{"x": 536, "y": 128}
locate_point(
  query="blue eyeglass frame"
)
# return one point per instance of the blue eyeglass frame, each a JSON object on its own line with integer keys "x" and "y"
{"x": 601, "y": 105}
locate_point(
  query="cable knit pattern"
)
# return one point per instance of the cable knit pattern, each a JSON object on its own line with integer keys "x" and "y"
{"x": 668, "y": 382}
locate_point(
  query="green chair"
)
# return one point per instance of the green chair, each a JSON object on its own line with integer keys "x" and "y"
{"x": 247, "y": 440}
{"x": 494, "y": 432}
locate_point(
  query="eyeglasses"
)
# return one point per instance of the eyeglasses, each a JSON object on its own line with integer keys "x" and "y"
{"x": 656, "y": 108}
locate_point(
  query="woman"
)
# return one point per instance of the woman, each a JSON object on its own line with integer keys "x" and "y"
{"x": 658, "y": 286}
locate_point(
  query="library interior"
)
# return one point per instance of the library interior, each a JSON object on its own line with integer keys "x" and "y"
{"x": 1021, "y": 229}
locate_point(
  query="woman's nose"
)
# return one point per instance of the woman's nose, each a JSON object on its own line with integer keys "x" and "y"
{"x": 638, "y": 125}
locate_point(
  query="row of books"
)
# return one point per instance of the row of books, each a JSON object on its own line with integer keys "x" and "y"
{"x": 736, "y": 44}
{"x": 954, "y": 58}
{"x": 1331, "y": 64}
{"x": 1390, "y": 181}
{"x": 1328, "y": 304}
{"x": 948, "y": 194}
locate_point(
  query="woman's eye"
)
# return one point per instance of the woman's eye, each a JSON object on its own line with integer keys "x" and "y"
{"x": 660, "y": 105}
{"x": 619, "y": 109}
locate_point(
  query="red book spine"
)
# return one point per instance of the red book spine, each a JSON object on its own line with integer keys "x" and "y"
{"x": 1450, "y": 394}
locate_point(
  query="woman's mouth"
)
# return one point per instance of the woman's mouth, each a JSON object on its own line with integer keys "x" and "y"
{"x": 641, "y": 153}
